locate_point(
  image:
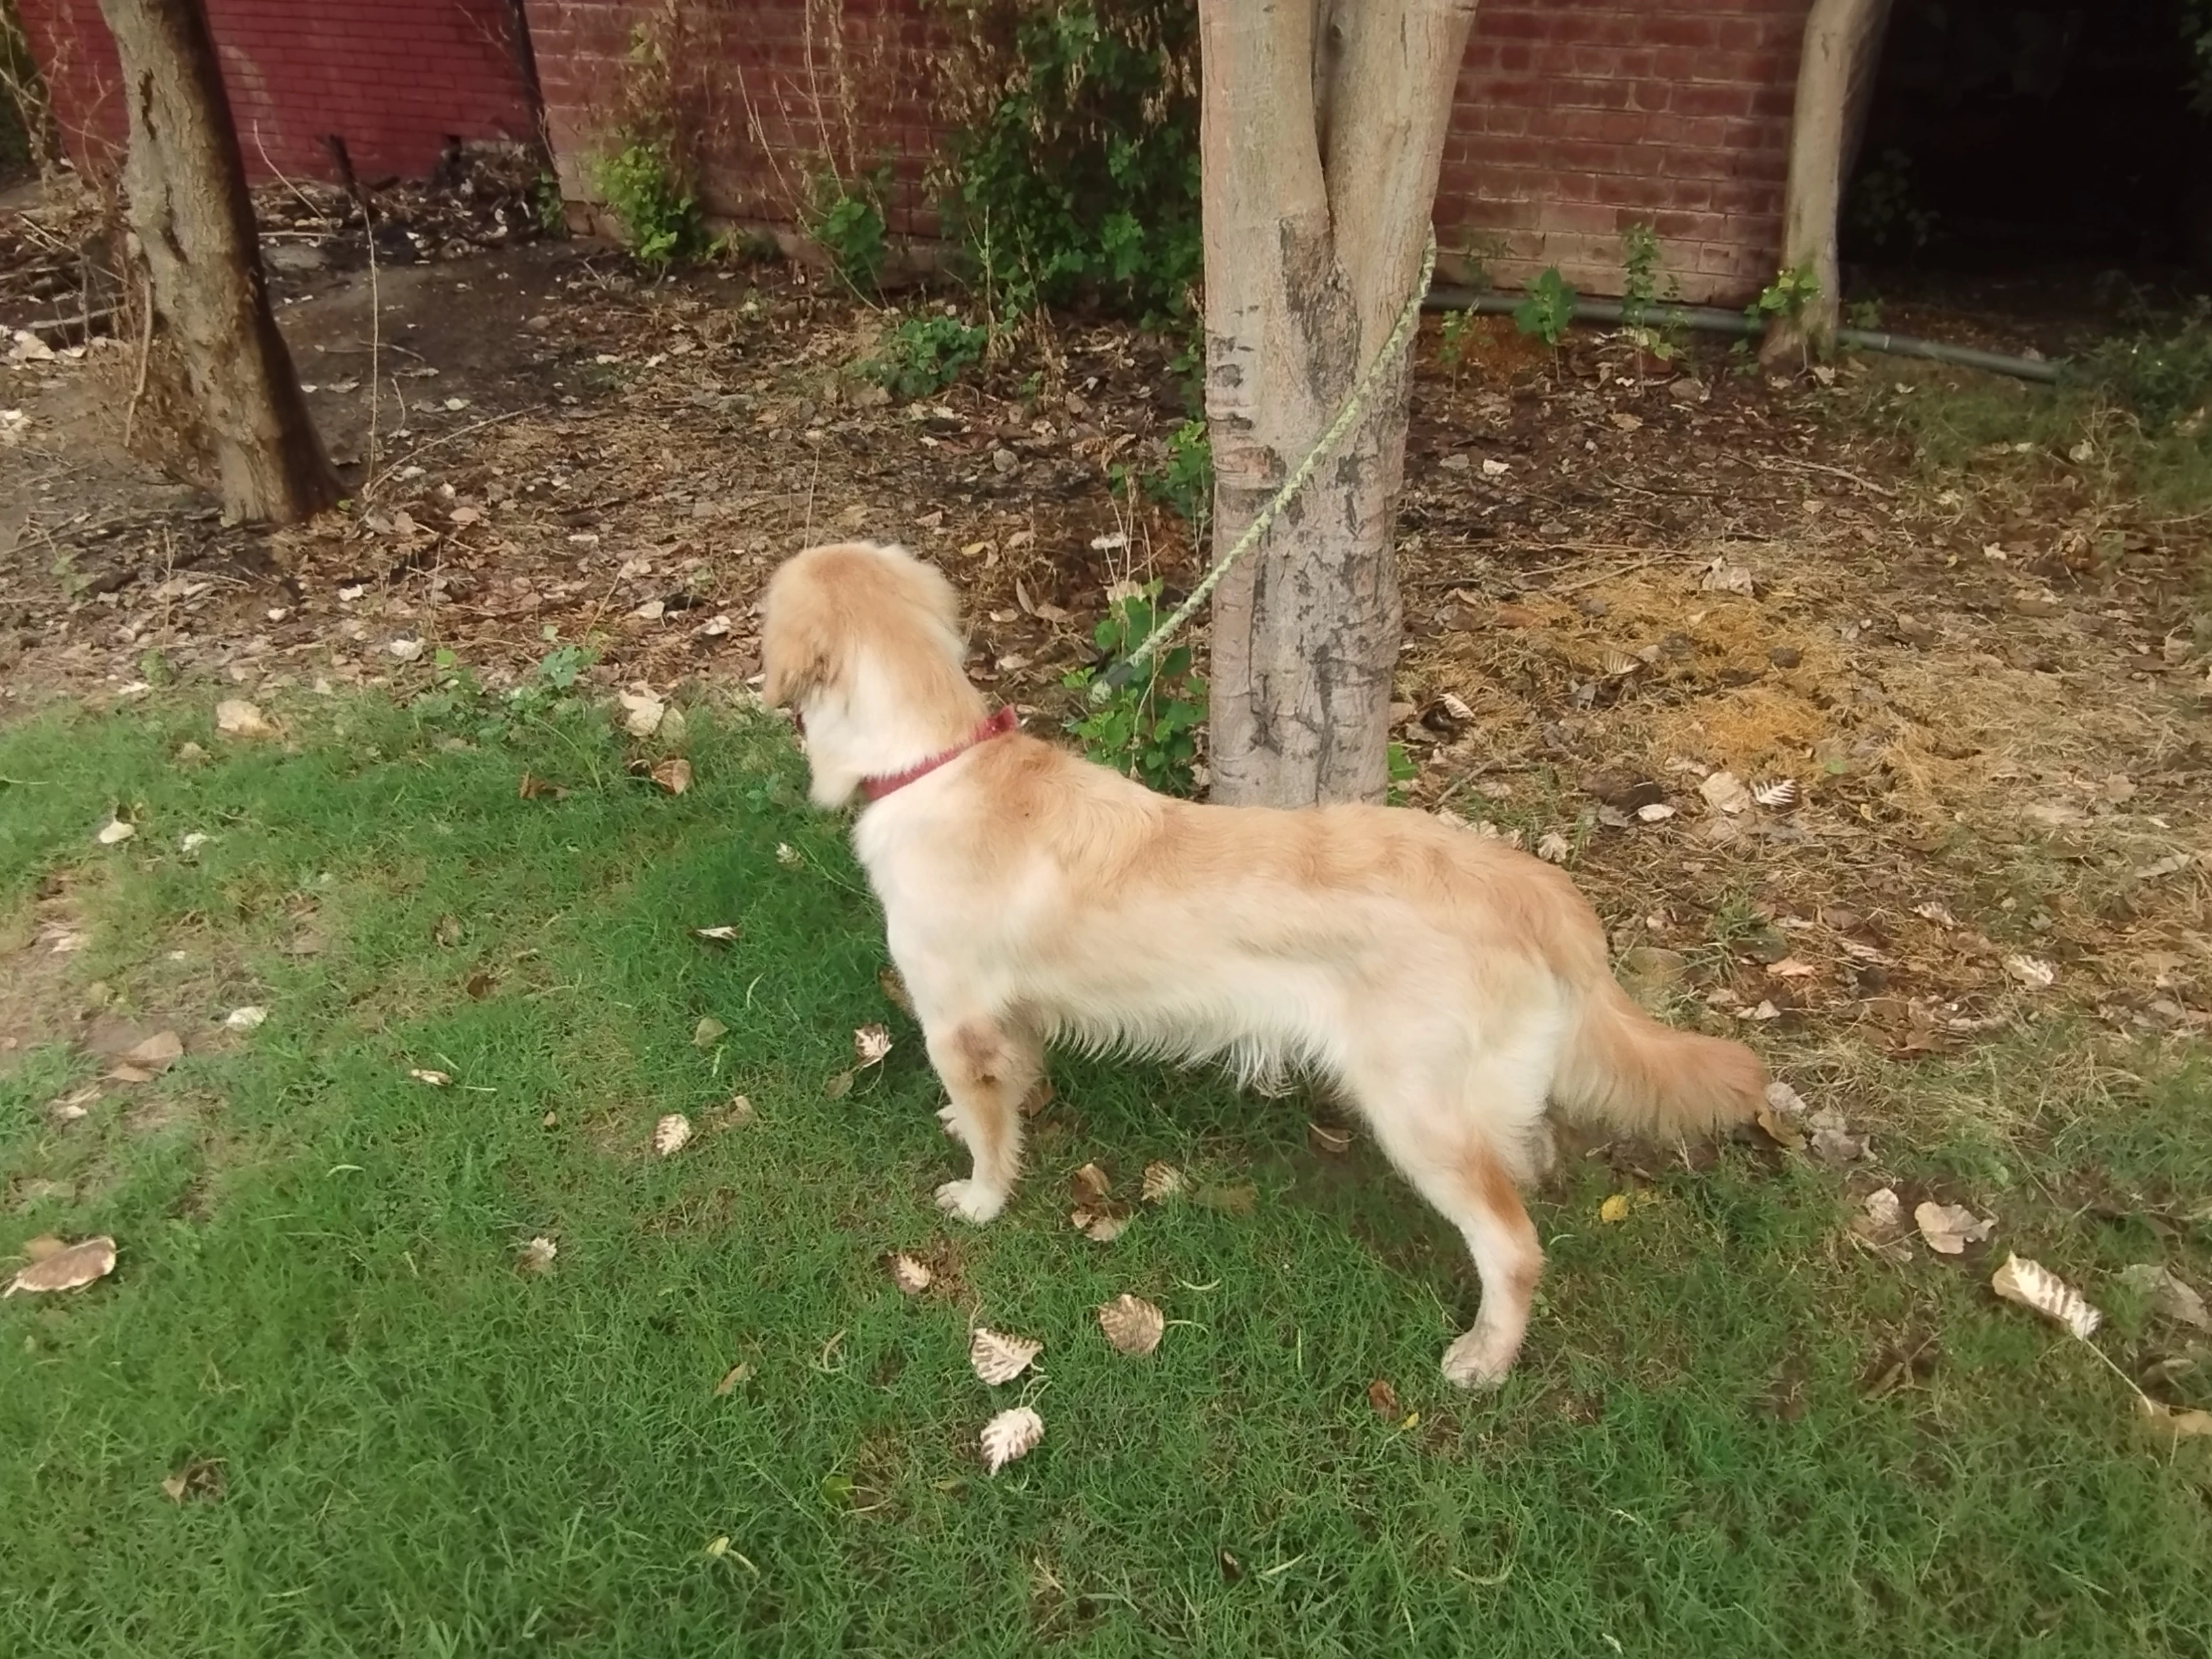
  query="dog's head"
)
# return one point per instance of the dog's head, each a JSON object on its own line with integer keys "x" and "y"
{"x": 862, "y": 642}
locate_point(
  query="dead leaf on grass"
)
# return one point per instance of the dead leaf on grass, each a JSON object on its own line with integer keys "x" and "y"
{"x": 1102, "y": 1225}
{"x": 70, "y": 1268}
{"x": 1132, "y": 1324}
{"x": 1000, "y": 1359}
{"x": 2171, "y": 1297}
{"x": 1162, "y": 1181}
{"x": 1831, "y": 1140}
{"x": 912, "y": 1276}
{"x": 1010, "y": 1435}
{"x": 838, "y": 1086}
{"x": 115, "y": 831}
{"x": 1722, "y": 577}
{"x": 1779, "y": 796}
{"x": 671, "y": 1134}
{"x": 2172, "y": 1422}
{"x": 707, "y": 1032}
{"x": 1554, "y": 847}
{"x": 1384, "y": 1398}
{"x": 894, "y": 990}
{"x": 2033, "y": 972}
{"x": 234, "y": 717}
{"x": 530, "y": 788}
{"x": 201, "y": 1478}
{"x": 870, "y": 1044}
{"x": 2037, "y": 1288}
{"x": 538, "y": 1255}
{"x": 738, "y": 1374}
{"x": 1947, "y": 1229}
{"x": 156, "y": 1053}
{"x": 245, "y": 1019}
{"x": 1090, "y": 1184}
{"x": 641, "y": 711}
{"x": 788, "y": 856}
{"x": 724, "y": 934}
{"x": 1614, "y": 1209}
{"x": 674, "y": 774}
{"x": 424, "y": 1074}
{"x": 1657, "y": 812}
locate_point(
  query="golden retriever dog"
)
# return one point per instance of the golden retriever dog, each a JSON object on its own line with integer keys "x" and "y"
{"x": 1451, "y": 986}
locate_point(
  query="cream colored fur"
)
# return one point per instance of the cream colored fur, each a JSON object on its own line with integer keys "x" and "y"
{"x": 1449, "y": 985}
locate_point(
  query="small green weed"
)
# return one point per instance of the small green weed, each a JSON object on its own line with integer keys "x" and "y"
{"x": 1548, "y": 309}
{"x": 920, "y": 355}
{"x": 1147, "y": 729}
{"x": 848, "y": 222}
{"x": 459, "y": 702}
{"x": 661, "y": 219}
{"x": 551, "y": 208}
{"x": 1185, "y": 485}
{"x": 1455, "y": 331}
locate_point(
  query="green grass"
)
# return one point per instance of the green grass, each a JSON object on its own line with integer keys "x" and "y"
{"x": 426, "y": 1452}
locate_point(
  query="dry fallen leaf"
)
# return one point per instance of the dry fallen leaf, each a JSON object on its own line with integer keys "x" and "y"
{"x": 1724, "y": 792}
{"x": 894, "y": 990}
{"x": 1656, "y": 812}
{"x": 2172, "y": 1422}
{"x": 1554, "y": 847}
{"x": 641, "y": 712}
{"x": 1132, "y": 1324}
{"x": 115, "y": 831}
{"x": 538, "y": 1255}
{"x": 1090, "y": 1184}
{"x": 674, "y": 774}
{"x": 435, "y": 1079}
{"x": 870, "y": 1044}
{"x": 1000, "y": 1359}
{"x": 1949, "y": 1228}
{"x": 156, "y": 1053}
{"x": 1384, "y": 1400}
{"x": 788, "y": 856}
{"x": 1100, "y": 1226}
{"x": 1780, "y": 796}
{"x": 1832, "y": 1142}
{"x": 724, "y": 934}
{"x": 671, "y": 1134}
{"x": 739, "y": 1373}
{"x": 1722, "y": 577}
{"x": 912, "y": 1276}
{"x": 2037, "y": 1288}
{"x": 1791, "y": 968}
{"x": 2033, "y": 972}
{"x": 1009, "y": 1435}
{"x": 202, "y": 1478}
{"x": 1162, "y": 1181}
{"x": 70, "y": 1268}
{"x": 838, "y": 1086}
{"x": 244, "y": 1019}
{"x": 2170, "y": 1296}
{"x": 234, "y": 717}
{"x": 707, "y": 1032}
{"x": 530, "y": 788}
{"x": 1615, "y": 1208}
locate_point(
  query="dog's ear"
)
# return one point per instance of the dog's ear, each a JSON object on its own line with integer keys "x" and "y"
{"x": 793, "y": 671}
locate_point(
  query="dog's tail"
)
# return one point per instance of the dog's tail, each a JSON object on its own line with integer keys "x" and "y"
{"x": 1620, "y": 1068}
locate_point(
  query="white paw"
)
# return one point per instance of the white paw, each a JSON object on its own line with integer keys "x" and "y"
{"x": 971, "y": 1200}
{"x": 951, "y": 1124}
{"x": 1479, "y": 1359}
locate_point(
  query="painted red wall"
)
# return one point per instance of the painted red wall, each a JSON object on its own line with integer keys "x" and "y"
{"x": 391, "y": 77}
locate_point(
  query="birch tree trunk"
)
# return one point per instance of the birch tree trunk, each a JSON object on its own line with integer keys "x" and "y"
{"x": 1835, "y": 77}
{"x": 1321, "y": 136}
{"x": 194, "y": 223}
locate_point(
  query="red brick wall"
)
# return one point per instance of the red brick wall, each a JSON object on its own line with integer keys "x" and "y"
{"x": 392, "y": 77}
{"x": 1573, "y": 120}
{"x": 1576, "y": 119}
{"x": 764, "y": 90}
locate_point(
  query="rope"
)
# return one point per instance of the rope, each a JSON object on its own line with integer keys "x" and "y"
{"x": 1124, "y": 671}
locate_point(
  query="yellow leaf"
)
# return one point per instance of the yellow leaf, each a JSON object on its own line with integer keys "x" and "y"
{"x": 1614, "y": 1209}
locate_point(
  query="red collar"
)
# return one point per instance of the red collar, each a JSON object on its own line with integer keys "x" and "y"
{"x": 997, "y": 726}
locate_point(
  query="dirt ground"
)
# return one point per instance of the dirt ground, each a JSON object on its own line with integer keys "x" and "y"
{"x": 1840, "y": 747}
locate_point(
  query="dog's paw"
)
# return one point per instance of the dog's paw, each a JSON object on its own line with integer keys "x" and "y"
{"x": 948, "y": 1121}
{"x": 970, "y": 1201}
{"x": 1479, "y": 1359}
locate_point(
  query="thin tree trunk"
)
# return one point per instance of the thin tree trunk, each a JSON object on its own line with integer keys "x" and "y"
{"x": 193, "y": 222}
{"x": 1321, "y": 131}
{"x": 1835, "y": 77}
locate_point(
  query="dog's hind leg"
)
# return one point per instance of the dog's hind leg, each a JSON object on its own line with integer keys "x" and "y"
{"x": 988, "y": 1067}
{"x": 1447, "y": 1137}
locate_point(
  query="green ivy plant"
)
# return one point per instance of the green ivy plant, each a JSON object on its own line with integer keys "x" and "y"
{"x": 1147, "y": 729}
{"x": 924, "y": 355}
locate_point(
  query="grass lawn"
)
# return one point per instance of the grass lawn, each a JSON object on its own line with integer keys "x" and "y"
{"x": 1734, "y": 1431}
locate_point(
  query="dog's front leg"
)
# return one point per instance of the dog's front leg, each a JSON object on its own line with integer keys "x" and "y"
{"x": 988, "y": 1067}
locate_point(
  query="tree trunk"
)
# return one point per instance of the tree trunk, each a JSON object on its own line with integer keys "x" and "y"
{"x": 1321, "y": 135}
{"x": 1835, "y": 76}
{"x": 194, "y": 223}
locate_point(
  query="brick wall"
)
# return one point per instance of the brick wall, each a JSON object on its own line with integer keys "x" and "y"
{"x": 1573, "y": 120}
{"x": 1576, "y": 119}
{"x": 769, "y": 94}
{"x": 392, "y": 77}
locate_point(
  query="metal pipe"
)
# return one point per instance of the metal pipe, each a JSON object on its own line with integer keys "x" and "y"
{"x": 1712, "y": 320}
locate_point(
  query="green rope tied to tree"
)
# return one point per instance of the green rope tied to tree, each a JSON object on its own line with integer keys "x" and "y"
{"x": 1124, "y": 671}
